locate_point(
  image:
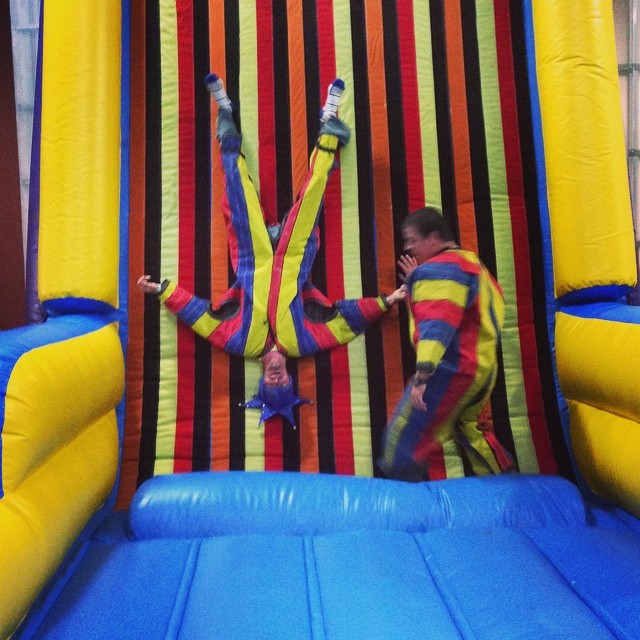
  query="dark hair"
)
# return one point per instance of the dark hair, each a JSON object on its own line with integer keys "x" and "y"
{"x": 429, "y": 220}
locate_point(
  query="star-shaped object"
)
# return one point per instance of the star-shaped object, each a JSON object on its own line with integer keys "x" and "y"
{"x": 275, "y": 400}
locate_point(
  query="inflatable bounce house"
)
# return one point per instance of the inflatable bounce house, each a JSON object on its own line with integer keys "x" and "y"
{"x": 138, "y": 499}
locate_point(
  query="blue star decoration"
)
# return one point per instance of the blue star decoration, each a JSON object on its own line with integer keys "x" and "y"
{"x": 275, "y": 400}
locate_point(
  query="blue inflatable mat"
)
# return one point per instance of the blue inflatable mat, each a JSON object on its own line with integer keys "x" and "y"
{"x": 259, "y": 555}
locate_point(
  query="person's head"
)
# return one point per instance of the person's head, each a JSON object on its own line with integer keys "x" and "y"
{"x": 274, "y": 366}
{"x": 425, "y": 233}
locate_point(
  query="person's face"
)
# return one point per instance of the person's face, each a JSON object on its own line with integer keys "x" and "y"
{"x": 275, "y": 371}
{"x": 418, "y": 246}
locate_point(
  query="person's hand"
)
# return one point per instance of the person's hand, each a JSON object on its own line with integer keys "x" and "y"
{"x": 399, "y": 294}
{"x": 417, "y": 393}
{"x": 146, "y": 285}
{"x": 407, "y": 264}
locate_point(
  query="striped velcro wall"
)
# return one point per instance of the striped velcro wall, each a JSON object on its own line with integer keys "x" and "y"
{"x": 438, "y": 101}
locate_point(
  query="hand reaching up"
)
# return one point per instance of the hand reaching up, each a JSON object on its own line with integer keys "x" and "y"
{"x": 407, "y": 264}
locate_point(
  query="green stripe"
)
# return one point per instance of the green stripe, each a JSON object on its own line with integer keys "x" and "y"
{"x": 167, "y": 403}
{"x": 426, "y": 97}
{"x": 254, "y": 435}
{"x": 503, "y": 238}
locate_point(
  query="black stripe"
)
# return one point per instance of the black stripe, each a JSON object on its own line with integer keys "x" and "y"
{"x": 291, "y": 435}
{"x": 500, "y": 411}
{"x": 284, "y": 183}
{"x": 477, "y": 138}
{"x": 545, "y": 363}
{"x": 284, "y": 188}
{"x": 202, "y": 240}
{"x": 443, "y": 115}
{"x": 397, "y": 155}
{"x": 482, "y": 199}
{"x": 311, "y": 70}
{"x": 237, "y": 391}
{"x": 152, "y": 240}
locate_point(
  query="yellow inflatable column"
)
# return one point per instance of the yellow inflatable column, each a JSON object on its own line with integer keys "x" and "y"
{"x": 589, "y": 205}
{"x": 80, "y": 152}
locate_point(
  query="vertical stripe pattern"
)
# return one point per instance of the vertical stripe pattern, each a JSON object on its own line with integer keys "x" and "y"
{"x": 437, "y": 100}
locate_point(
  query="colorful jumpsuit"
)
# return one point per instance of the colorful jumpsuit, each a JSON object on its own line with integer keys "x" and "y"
{"x": 456, "y": 316}
{"x": 272, "y": 303}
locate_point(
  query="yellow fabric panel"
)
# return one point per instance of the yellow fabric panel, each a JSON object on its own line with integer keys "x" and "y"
{"x": 53, "y": 393}
{"x": 425, "y": 290}
{"x": 40, "y": 521}
{"x": 429, "y": 352}
{"x": 591, "y": 222}
{"x": 607, "y": 448}
{"x": 598, "y": 363}
{"x": 80, "y": 151}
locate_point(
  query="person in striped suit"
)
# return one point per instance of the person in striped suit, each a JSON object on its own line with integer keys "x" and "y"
{"x": 455, "y": 321}
{"x": 272, "y": 311}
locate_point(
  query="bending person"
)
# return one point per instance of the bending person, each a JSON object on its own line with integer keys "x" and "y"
{"x": 456, "y": 316}
{"x": 272, "y": 311}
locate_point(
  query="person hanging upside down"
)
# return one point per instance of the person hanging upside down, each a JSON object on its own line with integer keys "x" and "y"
{"x": 272, "y": 311}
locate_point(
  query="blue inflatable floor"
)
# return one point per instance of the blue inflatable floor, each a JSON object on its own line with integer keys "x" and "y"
{"x": 290, "y": 556}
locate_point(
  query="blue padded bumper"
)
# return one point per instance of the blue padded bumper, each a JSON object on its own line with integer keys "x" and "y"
{"x": 204, "y": 504}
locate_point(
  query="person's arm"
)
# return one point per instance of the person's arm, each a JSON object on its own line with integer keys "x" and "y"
{"x": 148, "y": 286}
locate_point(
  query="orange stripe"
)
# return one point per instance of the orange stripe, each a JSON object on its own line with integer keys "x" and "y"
{"x": 309, "y": 457}
{"x": 135, "y": 349}
{"x": 382, "y": 198}
{"x": 460, "y": 126}
{"x": 220, "y": 413}
{"x": 297, "y": 96}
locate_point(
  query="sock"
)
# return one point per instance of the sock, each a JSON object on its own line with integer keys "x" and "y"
{"x": 216, "y": 87}
{"x": 334, "y": 93}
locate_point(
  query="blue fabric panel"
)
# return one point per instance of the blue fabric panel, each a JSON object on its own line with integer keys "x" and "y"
{"x": 594, "y": 294}
{"x": 613, "y": 311}
{"x": 69, "y": 306}
{"x": 248, "y": 587}
{"x": 603, "y": 567}
{"x": 123, "y": 591}
{"x": 206, "y": 504}
{"x": 376, "y": 585}
{"x": 500, "y": 583}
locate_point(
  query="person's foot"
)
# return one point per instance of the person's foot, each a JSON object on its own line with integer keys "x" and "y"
{"x": 215, "y": 87}
{"x": 334, "y": 93}
{"x": 336, "y": 127}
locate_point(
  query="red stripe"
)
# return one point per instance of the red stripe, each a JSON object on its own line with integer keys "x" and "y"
{"x": 437, "y": 310}
{"x": 341, "y": 387}
{"x": 178, "y": 299}
{"x": 266, "y": 112}
{"x": 186, "y": 233}
{"x": 410, "y": 106}
{"x": 267, "y": 168}
{"x": 273, "y": 453}
{"x": 530, "y": 369}
{"x": 370, "y": 309}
